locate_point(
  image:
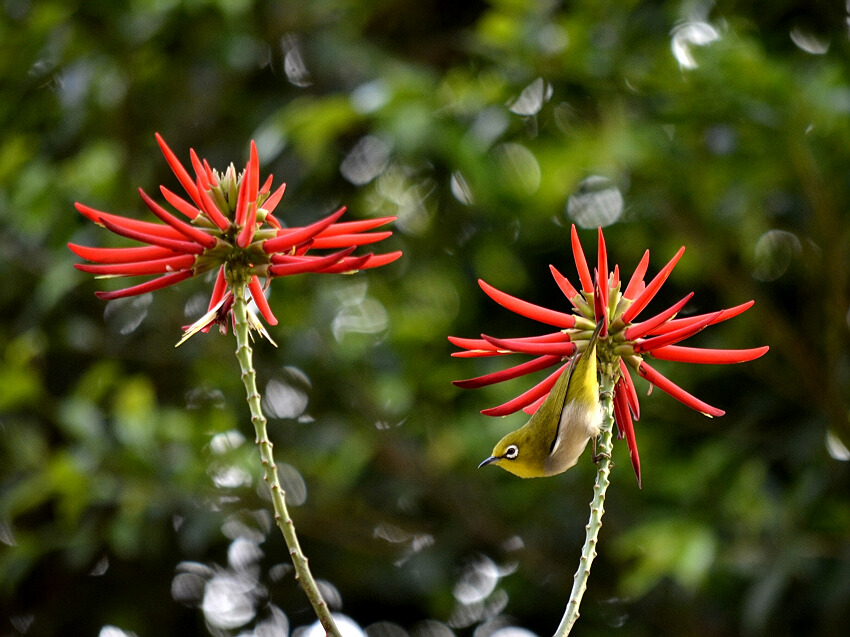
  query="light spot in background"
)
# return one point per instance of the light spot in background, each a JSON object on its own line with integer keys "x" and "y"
{"x": 552, "y": 38}
{"x": 369, "y": 97}
{"x": 489, "y": 126}
{"x": 385, "y": 629}
{"x": 243, "y": 556}
{"x": 366, "y": 160}
{"x": 773, "y": 253}
{"x": 250, "y": 525}
{"x": 283, "y": 400}
{"x": 101, "y": 567}
{"x": 837, "y": 450}
{"x": 406, "y": 198}
{"x": 226, "y": 442}
{"x": 293, "y": 62}
{"x": 532, "y": 98}
{"x": 513, "y": 631}
{"x": 347, "y": 628}
{"x": 477, "y": 594}
{"x": 809, "y": 42}
{"x": 431, "y": 628}
{"x": 22, "y": 623}
{"x": 721, "y": 139}
{"x": 229, "y": 600}
{"x": 292, "y": 482}
{"x": 6, "y": 534}
{"x": 596, "y": 202}
{"x": 204, "y": 396}
{"x": 276, "y": 625}
{"x": 687, "y": 35}
{"x": 477, "y": 581}
{"x": 358, "y": 313}
{"x": 113, "y": 631}
{"x": 124, "y": 316}
{"x": 188, "y": 584}
{"x": 518, "y": 166}
{"x": 460, "y": 188}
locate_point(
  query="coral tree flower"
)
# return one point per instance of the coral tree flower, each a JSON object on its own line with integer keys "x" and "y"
{"x": 230, "y": 227}
{"x": 624, "y": 344}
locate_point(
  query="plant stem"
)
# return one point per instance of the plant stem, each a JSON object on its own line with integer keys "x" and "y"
{"x": 281, "y": 514}
{"x": 597, "y": 506}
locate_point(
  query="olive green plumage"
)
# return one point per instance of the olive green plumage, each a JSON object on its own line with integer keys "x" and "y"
{"x": 557, "y": 434}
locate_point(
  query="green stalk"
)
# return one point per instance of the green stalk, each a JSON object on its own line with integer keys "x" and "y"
{"x": 597, "y": 506}
{"x": 281, "y": 515}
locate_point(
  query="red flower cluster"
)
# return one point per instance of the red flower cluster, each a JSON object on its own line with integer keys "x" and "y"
{"x": 623, "y": 343}
{"x": 231, "y": 227}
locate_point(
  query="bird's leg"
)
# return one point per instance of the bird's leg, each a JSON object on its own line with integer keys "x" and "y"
{"x": 597, "y": 457}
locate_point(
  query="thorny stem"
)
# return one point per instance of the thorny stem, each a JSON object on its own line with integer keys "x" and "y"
{"x": 605, "y": 446}
{"x": 281, "y": 514}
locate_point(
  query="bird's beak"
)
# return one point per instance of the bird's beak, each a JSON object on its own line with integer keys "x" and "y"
{"x": 489, "y": 460}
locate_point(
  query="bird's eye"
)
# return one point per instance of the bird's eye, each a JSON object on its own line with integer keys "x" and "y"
{"x": 511, "y": 452}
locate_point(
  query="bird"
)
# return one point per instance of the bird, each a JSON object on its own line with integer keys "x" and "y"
{"x": 557, "y": 433}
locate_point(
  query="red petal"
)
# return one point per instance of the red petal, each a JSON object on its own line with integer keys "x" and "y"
{"x": 709, "y": 356}
{"x": 634, "y": 286}
{"x": 639, "y": 330}
{"x": 473, "y": 344}
{"x": 271, "y": 203}
{"x": 528, "y": 367}
{"x": 267, "y": 186}
{"x": 309, "y": 264}
{"x": 602, "y": 275}
{"x": 190, "y": 232}
{"x": 209, "y": 206}
{"x": 260, "y": 299}
{"x": 347, "y": 265}
{"x": 211, "y": 180}
{"x": 721, "y": 316}
{"x": 625, "y": 424}
{"x": 172, "y": 244}
{"x": 242, "y": 197}
{"x": 377, "y": 260}
{"x": 529, "y": 310}
{"x": 219, "y": 289}
{"x": 673, "y": 337}
{"x": 566, "y": 287}
{"x": 342, "y": 240}
{"x": 133, "y": 224}
{"x": 200, "y": 172}
{"x": 581, "y": 262}
{"x": 351, "y": 227}
{"x": 540, "y": 389}
{"x": 121, "y": 255}
{"x": 180, "y": 172}
{"x": 254, "y": 182}
{"x": 156, "y": 266}
{"x": 671, "y": 388}
{"x": 524, "y": 347}
{"x": 148, "y": 286}
{"x": 246, "y": 235}
{"x": 287, "y": 238}
{"x": 179, "y": 203}
{"x": 631, "y": 393}
{"x": 651, "y": 289}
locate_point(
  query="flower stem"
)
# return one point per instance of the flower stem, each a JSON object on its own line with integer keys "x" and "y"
{"x": 281, "y": 514}
{"x": 597, "y": 506}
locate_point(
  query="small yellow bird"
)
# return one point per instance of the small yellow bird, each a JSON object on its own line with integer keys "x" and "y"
{"x": 557, "y": 433}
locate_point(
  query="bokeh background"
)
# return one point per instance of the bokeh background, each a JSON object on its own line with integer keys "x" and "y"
{"x": 130, "y": 499}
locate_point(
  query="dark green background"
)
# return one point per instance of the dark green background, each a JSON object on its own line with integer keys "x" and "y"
{"x": 109, "y": 512}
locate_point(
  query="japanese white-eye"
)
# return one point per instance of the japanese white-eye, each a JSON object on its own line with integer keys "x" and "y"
{"x": 557, "y": 433}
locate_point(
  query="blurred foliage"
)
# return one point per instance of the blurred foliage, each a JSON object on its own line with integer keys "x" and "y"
{"x": 129, "y": 500}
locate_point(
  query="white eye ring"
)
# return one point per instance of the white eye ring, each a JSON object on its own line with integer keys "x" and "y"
{"x": 511, "y": 452}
